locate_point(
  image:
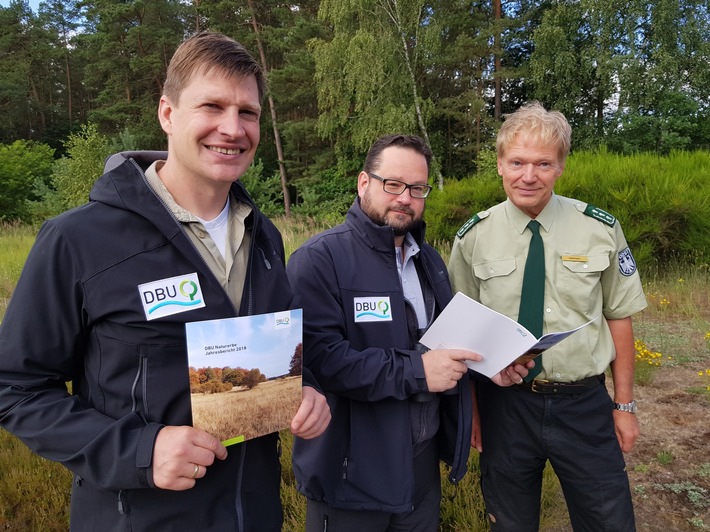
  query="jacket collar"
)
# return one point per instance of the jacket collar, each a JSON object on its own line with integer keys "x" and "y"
{"x": 378, "y": 237}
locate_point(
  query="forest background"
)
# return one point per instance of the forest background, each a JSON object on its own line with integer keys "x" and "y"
{"x": 630, "y": 77}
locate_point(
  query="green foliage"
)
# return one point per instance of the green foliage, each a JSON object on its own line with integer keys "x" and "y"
{"x": 328, "y": 195}
{"x": 265, "y": 191}
{"x": 449, "y": 208}
{"x": 74, "y": 175}
{"x": 25, "y": 166}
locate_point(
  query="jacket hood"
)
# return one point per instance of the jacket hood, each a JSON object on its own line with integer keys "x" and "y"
{"x": 123, "y": 185}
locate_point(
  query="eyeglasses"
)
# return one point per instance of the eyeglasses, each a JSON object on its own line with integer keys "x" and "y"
{"x": 396, "y": 187}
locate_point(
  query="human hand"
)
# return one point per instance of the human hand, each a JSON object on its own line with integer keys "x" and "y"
{"x": 627, "y": 429}
{"x": 444, "y": 367}
{"x": 182, "y": 454}
{"x": 513, "y": 374}
{"x": 313, "y": 414}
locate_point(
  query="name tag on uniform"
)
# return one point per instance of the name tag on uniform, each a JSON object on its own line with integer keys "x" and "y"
{"x": 375, "y": 308}
{"x": 575, "y": 258}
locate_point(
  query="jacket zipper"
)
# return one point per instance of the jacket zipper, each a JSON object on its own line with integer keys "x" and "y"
{"x": 248, "y": 283}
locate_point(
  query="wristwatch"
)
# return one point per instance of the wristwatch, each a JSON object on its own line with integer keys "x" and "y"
{"x": 626, "y": 407}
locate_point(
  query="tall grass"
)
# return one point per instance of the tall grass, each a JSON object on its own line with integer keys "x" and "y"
{"x": 15, "y": 243}
{"x": 34, "y": 493}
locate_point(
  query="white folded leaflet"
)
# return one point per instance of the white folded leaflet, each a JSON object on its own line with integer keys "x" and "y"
{"x": 467, "y": 324}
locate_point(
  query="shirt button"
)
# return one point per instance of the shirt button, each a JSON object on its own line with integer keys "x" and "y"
{"x": 585, "y": 266}
{"x": 557, "y": 375}
{"x": 492, "y": 271}
{"x": 548, "y": 310}
{"x": 200, "y": 234}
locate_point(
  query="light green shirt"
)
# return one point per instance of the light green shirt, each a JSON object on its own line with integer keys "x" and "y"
{"x": 229, "y": 269}
{"x": 589, "y": 273}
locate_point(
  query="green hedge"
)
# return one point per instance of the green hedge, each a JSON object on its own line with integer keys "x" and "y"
{"x": 662, "y": 202}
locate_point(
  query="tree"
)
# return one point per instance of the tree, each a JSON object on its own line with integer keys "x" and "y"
{"x": 296, "y": 365}
{"x": 252, "y": 378}
{"x": 368, "y": 75}
{"x": 75, "y": 174}
{"x": 22, "y": 164}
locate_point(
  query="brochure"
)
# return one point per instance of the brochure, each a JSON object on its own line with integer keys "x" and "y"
{"x": 467, "y": 324}
{"x": 245, "y": 374}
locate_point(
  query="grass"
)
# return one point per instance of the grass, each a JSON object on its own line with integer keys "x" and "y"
{"x": 34, "y": 493}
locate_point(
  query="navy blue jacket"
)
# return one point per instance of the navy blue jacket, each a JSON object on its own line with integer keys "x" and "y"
{"x": 368, "y": 369}
{"x": 76, "y": 315}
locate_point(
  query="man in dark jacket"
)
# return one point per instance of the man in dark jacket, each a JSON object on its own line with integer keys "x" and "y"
{"x": 368, "y": 289}
{"x": 77, "y": 315}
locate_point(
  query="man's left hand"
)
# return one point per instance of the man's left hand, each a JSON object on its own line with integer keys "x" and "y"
{"x": 513, "y": 374}
{"x": 313, "y": 415}
{"x": 627, "y": 429}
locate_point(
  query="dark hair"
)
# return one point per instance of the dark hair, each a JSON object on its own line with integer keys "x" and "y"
{"x": 206, "y": 51}
{"x": 410, "y": 142}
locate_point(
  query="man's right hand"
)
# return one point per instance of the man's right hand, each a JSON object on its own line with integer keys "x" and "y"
{"x": 181, "y": 455}
{"x": 444, "y": 367}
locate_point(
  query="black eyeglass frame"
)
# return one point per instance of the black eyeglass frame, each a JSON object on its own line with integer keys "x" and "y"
{"x": 405, "y": 186}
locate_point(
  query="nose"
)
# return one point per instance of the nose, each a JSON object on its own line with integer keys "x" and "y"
{"x": 529, "y": 172}
{"x": 230, "y": 124}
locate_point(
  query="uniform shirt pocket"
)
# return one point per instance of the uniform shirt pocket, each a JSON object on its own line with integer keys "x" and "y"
{"x": 494, "y": 268}
{"x": 581, "y": 281}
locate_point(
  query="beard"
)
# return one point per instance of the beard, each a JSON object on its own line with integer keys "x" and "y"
{"x": 400, "y": 224}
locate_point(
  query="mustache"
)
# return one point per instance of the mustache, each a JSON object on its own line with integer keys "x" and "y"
{"x": 404, "y": 209}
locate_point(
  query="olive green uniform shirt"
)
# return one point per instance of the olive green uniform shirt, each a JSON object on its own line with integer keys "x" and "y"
{"x": 589, "y": 273}
{"x": 229, "y": 270}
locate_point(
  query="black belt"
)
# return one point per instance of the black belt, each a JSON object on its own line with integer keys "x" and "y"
{"x": 545, "y": 386}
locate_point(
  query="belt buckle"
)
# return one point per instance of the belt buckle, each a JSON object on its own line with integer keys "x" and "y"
{"x": 538, "y": 382}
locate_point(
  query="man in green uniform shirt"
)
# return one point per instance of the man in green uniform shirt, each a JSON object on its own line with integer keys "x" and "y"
{"x": 564, "y": 413}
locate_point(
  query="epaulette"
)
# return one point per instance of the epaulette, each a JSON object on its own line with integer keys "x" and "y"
{"x": 600, "y": 214}
{"x": 471, "y": 222}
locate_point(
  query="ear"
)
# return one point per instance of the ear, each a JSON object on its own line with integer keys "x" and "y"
{"x": 165, "y": 111}
{"x": 362, "y": 181}
{"x": 499, "y": 164}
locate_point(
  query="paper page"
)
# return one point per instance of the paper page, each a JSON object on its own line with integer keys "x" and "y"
{"x": 245, "y": 374}
{"x": 467, "y": 324}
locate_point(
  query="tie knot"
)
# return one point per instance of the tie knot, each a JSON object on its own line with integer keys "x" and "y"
{"x": 534, "y": 227}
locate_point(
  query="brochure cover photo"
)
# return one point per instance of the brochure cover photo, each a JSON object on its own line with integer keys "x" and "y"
{"x": 245, "y": 374}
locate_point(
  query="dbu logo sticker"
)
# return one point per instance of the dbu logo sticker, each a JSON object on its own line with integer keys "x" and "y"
{"x": 372, "y": 309}
{"x": 171, "y": 296}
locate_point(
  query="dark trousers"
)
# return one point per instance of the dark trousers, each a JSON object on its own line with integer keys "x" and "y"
{"x": 424, "y": 516}
{"x": 521, "y": 430}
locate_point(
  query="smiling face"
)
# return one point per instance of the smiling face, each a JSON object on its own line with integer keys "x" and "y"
{"x": 401, "y": 212}
{"x": 213, "y": 130}
{"x": 529, "y": 171}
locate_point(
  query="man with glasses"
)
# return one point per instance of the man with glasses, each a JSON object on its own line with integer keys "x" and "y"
{"x": 369, "y": 288}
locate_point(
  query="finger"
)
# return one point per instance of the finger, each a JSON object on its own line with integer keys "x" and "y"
{"x": 204, "y": 441}
{"x": 461, "y": 354}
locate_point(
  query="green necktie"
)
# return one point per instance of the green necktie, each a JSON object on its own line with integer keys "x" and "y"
{"x": 532, "y": 299}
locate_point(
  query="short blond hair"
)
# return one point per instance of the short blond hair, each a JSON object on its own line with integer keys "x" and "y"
{"x": 549, "y": 128}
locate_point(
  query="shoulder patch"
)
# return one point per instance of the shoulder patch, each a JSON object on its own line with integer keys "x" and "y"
{"x": 600, "y": 214}
{"x": 471, "y": 222}
{"x": 627, "y": 264}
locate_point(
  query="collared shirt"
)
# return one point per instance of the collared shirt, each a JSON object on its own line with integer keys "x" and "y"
{"x": 411, "y": 286}
{"x": 589, "y": 273}
{"x": 231, "y": 268}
